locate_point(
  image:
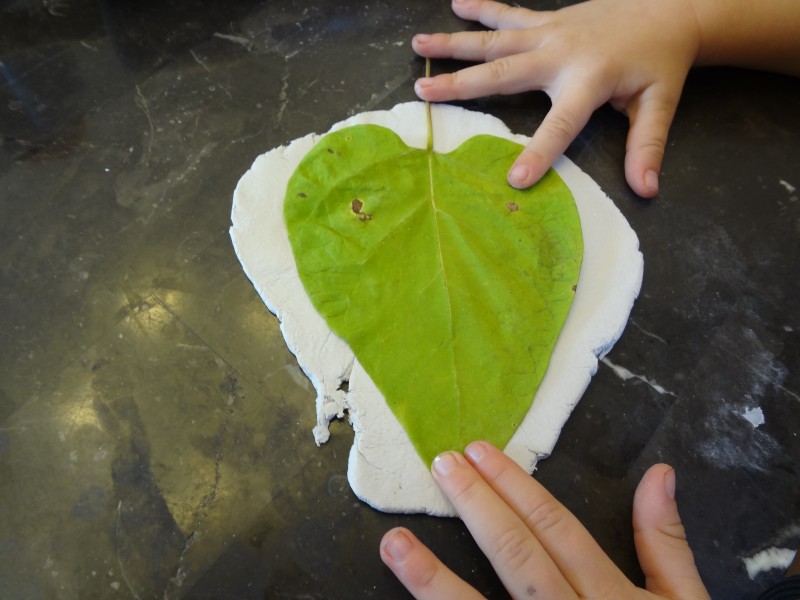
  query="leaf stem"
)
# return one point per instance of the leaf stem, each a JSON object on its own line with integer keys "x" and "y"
{"x": 428, "y": 106}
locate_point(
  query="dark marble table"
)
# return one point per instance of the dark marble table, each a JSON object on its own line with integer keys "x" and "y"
{"x": 156, "y": 432}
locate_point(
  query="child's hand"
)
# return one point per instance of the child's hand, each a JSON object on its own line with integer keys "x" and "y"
{"x": 537, "y": 547}
{"x": 632, "y": 53}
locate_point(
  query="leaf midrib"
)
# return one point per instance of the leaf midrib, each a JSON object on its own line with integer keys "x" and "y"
{"x": 435, "y": 211}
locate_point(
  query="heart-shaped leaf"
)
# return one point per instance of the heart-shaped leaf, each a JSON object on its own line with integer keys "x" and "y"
{"x": 449, "y": 286}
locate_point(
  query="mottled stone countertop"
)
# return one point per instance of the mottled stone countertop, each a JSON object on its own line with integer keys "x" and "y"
{"x": 155, "y": 432}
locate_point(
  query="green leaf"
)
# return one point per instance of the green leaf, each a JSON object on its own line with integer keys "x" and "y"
{"x": 449, "y": 286}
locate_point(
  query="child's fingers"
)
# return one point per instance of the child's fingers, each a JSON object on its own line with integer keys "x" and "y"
{"x": 420, "y": 571}
{"x": 508, "y": 75}
{"x": 496, "y": 14}
{"x": 568, "y": 544}
{"x": 650, "y": 116}
{"x": 479, "y": 46}
{"x": 519, "y": 559}
{"x": 562, "y": 124}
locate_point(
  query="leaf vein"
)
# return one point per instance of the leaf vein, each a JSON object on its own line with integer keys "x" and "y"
{"x": 447, "y": 292}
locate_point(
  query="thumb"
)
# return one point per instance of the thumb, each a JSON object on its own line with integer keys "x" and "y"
{"x": 650, "y": 116}
{"x": 664, "y": 554}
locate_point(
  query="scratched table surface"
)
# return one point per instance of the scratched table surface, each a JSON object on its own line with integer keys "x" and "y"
{"x": 155, "y": 437}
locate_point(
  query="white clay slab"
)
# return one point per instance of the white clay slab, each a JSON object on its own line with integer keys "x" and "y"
{"x": 384, "y": 470}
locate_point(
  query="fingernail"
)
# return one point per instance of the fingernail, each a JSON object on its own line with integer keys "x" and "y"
{"x": 669, "y": 483}
{"x": 476, "y": 451}
{"x": 397, "y": 545}
{"x": 423, "y": 82}
{"x": 651, "y": 180}
{"x": 422, "y": 85}
{"x": 444, "y": 463}
{"x": 518, "y": 176}
{"x": 422, "y": 38}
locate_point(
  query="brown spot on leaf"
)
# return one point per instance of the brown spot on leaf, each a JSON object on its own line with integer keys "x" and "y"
{"x": 330, "y": 150}
{"x": 575, "y": 288}
{"x": 356, "y": 205}
{"x": 512, "y": 206}
{"x": 301, "y": 195}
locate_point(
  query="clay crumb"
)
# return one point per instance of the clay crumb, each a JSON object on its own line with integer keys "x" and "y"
{"x": 512, "y": 206}
{"x": 356, "y": 205}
